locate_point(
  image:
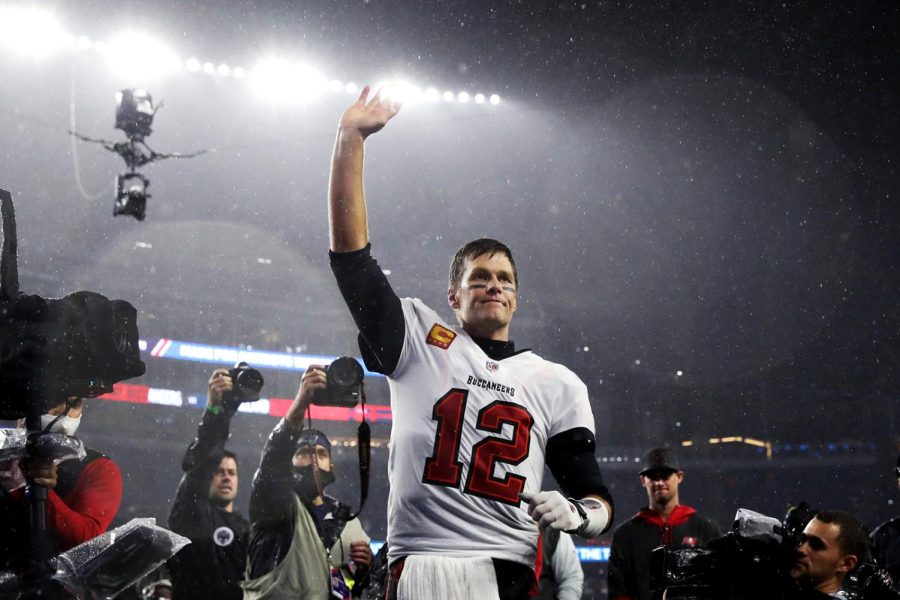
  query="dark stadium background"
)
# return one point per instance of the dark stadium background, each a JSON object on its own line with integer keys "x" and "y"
{"x": 707, "y": 189}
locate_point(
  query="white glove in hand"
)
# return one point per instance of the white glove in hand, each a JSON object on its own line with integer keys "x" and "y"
{"x": 552, "y": 509}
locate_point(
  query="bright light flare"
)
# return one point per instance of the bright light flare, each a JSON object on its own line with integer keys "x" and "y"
{"x": 140, "y": 57}
{"x": 401, "y": 91}
{"x": 282, "y": 82}
{"x": 494, "y": 99}
{"x": 31, "y": 31}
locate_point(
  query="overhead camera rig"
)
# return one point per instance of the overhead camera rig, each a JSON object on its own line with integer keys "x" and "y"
{"x": 134, "y": 116}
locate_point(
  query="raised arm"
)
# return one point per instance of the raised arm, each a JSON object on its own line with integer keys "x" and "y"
{"x": 272, "y": 494}
{"x": 346, "y": 199}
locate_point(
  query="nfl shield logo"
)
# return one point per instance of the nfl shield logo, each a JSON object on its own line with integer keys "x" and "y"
{"x": 492, "y": 366}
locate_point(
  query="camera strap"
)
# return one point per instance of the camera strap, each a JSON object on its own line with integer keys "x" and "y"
{"x": 364, "y": 449}
{"x": 364, "y": 446}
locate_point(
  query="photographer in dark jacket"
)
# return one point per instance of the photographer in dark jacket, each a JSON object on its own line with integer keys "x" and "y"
{"x": 212, "y": 565}
{"x": 303, "y": 545}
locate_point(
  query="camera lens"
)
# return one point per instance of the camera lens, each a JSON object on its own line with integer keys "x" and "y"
{"x": 345, "y": 373}
{"x": 248, "y": 382}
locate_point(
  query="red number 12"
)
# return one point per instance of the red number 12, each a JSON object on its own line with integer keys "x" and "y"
{"x": 443, "y": 466}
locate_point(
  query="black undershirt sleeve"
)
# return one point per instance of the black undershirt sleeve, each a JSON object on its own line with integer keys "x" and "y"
{"x": 570, "y": 456}
{"x": 374, "y": 306}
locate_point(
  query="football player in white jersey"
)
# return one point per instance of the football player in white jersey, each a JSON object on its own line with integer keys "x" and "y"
{"x": 475, "y": 420}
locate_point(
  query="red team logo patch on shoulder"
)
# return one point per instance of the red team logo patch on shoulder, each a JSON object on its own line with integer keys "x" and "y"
{"x": 440, "y": 336}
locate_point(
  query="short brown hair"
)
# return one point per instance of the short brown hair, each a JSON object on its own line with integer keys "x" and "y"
{"x": 853, "y": 537}
{"x": 473, "y": 250}
{"x": 229, "y": 454}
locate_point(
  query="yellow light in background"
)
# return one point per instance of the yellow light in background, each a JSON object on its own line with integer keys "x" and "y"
{"x": 687, "y": 443}
{"x": 738, "y": 439}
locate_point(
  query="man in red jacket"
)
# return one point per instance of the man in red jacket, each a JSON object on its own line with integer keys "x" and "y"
{"x": 84, "y": 495}
{"x": 664, "y": 522}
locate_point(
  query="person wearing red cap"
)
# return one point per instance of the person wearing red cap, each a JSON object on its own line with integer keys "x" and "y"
{"x": 663, "y": 522}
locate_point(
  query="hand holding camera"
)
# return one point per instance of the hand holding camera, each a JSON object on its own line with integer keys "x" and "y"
{"x": 313, "y": 379}
{"x": 343, "y": 384}
{"x": 337, "y": 384}
{"x": 229, "y": 388}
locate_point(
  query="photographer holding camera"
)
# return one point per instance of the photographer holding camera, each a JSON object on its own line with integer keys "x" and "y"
{"x": 212, "y": 565}
{"x": 84, "y": 495}
{"x": 303, "y": 544}
{"x": 832, "y": 545}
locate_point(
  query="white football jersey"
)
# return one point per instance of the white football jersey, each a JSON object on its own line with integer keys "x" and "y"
{"x": 469, "y": 435}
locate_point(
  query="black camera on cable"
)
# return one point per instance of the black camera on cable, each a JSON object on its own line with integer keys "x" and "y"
{"x": 246, "y": 384}
{"x": 343, "y": 384}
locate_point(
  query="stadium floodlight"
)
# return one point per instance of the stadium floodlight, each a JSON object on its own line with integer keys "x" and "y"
{"x": 463, "y": 97}
{"x": 139, "y": 57}
{"x": 193, "y": 65}
{"x": 495, "y": 99}
{"x": 209, "y": 68}
{"x": 223, "y": 70}
{"x": 238, "y": 73}
{"x": 449, "y": 96}
{"x": 479, "y": 98}
{"x": 282, "y": 82}
{"x": 351, "y": 88}
{"x": 414, "y": 93}
{"x": 432, "y": 95}
{"x": 31, "y": 31}
{"x": 401, "y": 91}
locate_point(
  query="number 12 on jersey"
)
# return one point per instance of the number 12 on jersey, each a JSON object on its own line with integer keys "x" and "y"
{"x": 443, "y": 466}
